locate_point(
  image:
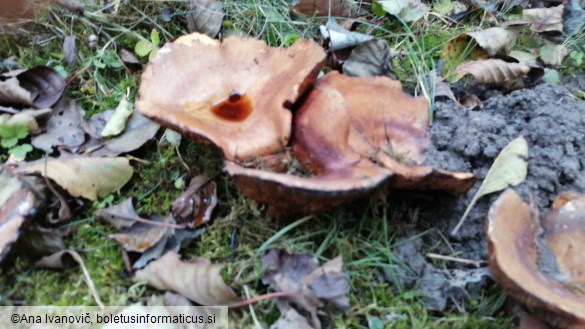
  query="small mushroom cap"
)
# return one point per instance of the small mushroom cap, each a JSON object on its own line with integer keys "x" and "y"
{"x": 232, "y": 93}
{"x": 514, "y": 247}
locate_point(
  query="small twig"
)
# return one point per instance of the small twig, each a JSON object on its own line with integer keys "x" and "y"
{"x": 8, "y": 110}
{"x": 476, "y": 263}
{"x": 252, "y": 312}
{"x": 257, "y": 299}
{"x": 151, "y": 222}
{"x": 88, "y": 279}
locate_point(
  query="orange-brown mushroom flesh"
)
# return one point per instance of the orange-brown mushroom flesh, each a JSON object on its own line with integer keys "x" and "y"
{"x": 522, "y": 268}
{"x": 349, "y": 119}
{"x": 232, "y": 93}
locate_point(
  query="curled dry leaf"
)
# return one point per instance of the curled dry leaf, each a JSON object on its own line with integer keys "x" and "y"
{"x": 545, "y": 19}
{"x": 495, "y": 40}
{"x": 39, "y": 87}
{"x": 83, "y": 176}
{"x": 18, "y": 205}
{"x": 509, "y": 169}
{"x": 138, "y": 131}
{"x": 494, "y": 71}
{"x": 141, "y": 236}
{"x": 206, "y": 16}
{"x": 315, "y": 285}
{"x": 370, "y": 59}
{"x": 45, "y": 85}
{"x": 117, "y": 122}
{"x": 337, "y": 8}
{"x": 336, "y": 37}
{"x": 232, "y": 93}
{"x": 407, "y": 10}
{"x": 195, "y": 205}
{"x": 198, "y": 280}
{"x": 119, "y": 215}
{"x": 545, "y": 276}
{"x": 63, "y": 129}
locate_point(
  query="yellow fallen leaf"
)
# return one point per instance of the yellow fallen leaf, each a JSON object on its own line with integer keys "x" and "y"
{"x": 509, "y": 169}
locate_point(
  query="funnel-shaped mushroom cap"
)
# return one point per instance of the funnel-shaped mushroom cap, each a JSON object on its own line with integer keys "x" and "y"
{"x": 345, "y": 119}
{"x": 545, "y": 275}
{"x": 232, "y": 93}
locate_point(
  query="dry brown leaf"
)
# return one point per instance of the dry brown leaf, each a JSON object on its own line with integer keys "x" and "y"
{"x": 40, "y": 87}
{"x": 83, "y": 176}
{"x": 315, "y": 285}
{"x": 495, "y": 40}
{"x": 141, "y": 236}
{"x": 492, "y": 71}
{"x": 138, "y": 131}
{"x": 291, "y": 319}
{"x": 195, "y": 205}
{"x": 206, "y": 16}
{"x": 118, "y": 215}
{"x": 18, "y": 204}
{"x": 370, "y": 59}
{"x": 200, "y": 281}
{"x": 63, "y": 129}
{"x": 339, "y": 8}
{"x": 545, "y": 19}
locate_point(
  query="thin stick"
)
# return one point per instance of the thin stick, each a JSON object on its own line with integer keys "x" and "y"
{"x": 150, "y": 222}
{"x": 88, "y": 279}
{"x": 476, "y": 263}
{"x": 257, "y": 299}
{"x": 252, "y": 312}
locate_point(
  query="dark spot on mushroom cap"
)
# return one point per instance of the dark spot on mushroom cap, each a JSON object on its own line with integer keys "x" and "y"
{"x": 237, "y": 107}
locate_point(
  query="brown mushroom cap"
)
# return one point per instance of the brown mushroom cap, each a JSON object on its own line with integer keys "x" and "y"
{"x": 514, "y": 247}
{"x": 232, "y": 93}
{"x": 348, "y": 131}
{"x": 346, "y": 119}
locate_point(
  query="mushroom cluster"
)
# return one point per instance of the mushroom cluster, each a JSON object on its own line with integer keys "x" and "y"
{"x": 349, "y": 135}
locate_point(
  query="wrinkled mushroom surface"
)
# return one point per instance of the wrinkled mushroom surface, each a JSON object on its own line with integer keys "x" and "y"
{"x": 353, "y": 134}
{"x": 540, "y": 263}
{"x": 233, "y": 93}
{"x": 346, "y": 119}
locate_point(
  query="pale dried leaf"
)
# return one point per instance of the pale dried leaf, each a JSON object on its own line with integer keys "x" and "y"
{"x": 339, "y": 38}
{"x": 509, "y": 169}
{"x": 118, "y": 215}
{"x": 83, "y": 176}
{"x": 63, "y": 129}
{"x": 11, "y": 93}
{"x": 45, "y": 84}
{"x": 69, "y": 50}
{"x": 206, "y": 16}
{"x": 117, "y": 122}
{"x": 128, "y": 57}
{"x": 337, "y": 8}
{"x": 200, "y": 281}
{"x": 371, "y": 58}
{"x": 545, "y": 19}
{"x": 552, "y": 54}
{"x": 18, "y": 204}
{"x": 407, "y": 10}
{"x": 492, "y": 71}
{"x": 140, "y": 236}
{"x": 291, "y": 319}
{"x": 495, "y": 40}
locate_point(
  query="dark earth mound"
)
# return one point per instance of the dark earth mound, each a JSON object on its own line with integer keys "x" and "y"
{"x": 551, "y": 119}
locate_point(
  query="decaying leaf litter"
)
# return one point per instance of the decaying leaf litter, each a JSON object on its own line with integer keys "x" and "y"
{"x": 466, "y": 152}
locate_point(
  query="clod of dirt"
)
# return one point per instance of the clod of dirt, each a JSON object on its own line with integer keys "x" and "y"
{"x": 232, "y": 93}
{"x": 545, "y": 274}
{"x": 550, "y": 119}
